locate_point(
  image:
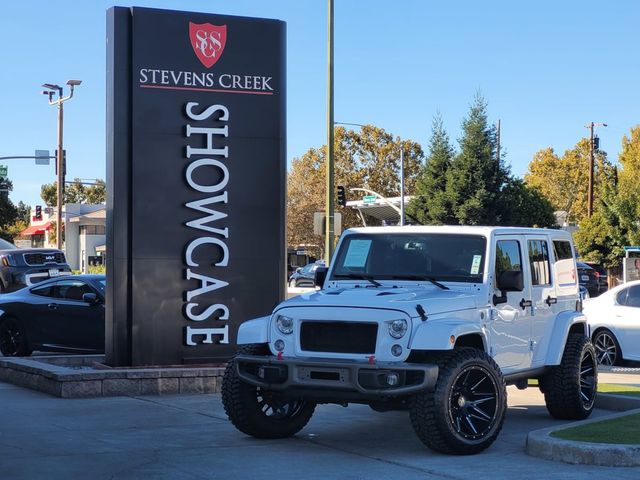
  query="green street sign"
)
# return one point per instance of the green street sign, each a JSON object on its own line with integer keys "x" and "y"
{"x": 3, "y": 170}
{"x": 369, "y": 199}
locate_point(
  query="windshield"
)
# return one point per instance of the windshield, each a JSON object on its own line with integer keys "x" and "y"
{"x": 411, "y": 256}
{"x": 4, "y": 245}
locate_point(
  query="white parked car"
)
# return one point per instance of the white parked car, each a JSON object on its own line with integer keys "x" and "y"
{"x": 433, "y": 320}
{"x": 614, "y": 319}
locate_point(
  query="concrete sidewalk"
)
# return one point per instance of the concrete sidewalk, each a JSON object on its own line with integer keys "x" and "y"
{"x": 188, "y": 437}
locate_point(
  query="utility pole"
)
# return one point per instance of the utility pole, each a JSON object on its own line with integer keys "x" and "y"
{"x": 328, "y": 245}
{"x": 50, "y": 91}
{"x": 591, "y": 126}
{"x": 401, "y": 185}
{"x": 498, "y": 147}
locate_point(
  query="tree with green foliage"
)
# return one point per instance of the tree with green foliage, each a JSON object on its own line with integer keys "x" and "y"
{"x": 564, "y": 181}
{"x": 430, "y": 205}
{"x": 368, "y": 158}
{"x": 615, "y": 221}
{"x": 476, "y": 177}
{"x": 522, "y": 206}
{"x": 8, "y": 211}
{"x": 75, "y": 192}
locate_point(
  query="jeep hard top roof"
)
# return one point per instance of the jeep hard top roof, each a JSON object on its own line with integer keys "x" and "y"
{"x": 465, "y": 230}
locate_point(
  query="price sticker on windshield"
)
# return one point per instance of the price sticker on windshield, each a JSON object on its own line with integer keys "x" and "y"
{"x": 357, "y": 254}
{"x": 475, "y": 265}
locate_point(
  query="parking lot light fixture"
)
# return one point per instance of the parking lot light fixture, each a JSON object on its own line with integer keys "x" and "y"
{"x": 51, "y": 90}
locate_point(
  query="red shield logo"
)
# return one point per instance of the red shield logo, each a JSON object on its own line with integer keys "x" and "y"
{"x": 208, "y": 41}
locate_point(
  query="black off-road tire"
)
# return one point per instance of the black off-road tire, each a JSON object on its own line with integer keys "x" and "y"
{"x": 570, "y": 388}
{"x": 465, "y": 412}
{"x": 13, "y": 338}
{"x": 260, "y": 413}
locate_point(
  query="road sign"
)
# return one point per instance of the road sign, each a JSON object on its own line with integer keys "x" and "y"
{"x": 369, "y": 199}
{"x": 3, "y": 170}
{"x": 42, "y": 157}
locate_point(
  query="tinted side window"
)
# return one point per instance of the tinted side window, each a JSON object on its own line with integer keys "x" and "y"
{"x": 621, "y": 297}
{"x": 633, "y": 298}
{"x": 562, "y": 249}
{"x": 508, "y": 257}
{"x": 44, "y": 291}
{"x": 539, "y": 262}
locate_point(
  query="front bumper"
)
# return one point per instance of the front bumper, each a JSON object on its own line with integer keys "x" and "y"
{"x": 341, "y": 377}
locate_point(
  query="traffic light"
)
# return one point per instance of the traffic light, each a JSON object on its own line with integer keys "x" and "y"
{"x": 596, "y": 143}
{"x": 342, "y": 196}
{"x": 38, "y": 215}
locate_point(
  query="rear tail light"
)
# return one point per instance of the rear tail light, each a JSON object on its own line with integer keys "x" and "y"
{"x": 598, "y": 275}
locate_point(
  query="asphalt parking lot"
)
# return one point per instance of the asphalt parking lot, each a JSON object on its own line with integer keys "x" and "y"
{"x": 188, "y": 437}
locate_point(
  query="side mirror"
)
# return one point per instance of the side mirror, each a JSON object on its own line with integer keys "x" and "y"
{"x": 90, "y": 298}
{"x": 509, "y": 281}
{"x": 320, "y": 276}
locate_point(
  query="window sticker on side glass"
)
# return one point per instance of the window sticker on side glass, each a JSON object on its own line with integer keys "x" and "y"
{"x": 475, "y": 265}
{"x": 357, "y": 254}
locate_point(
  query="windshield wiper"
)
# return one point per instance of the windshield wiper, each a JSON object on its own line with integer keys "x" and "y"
{"x": 420, "y": 277}
{"x": 358, "y": 276}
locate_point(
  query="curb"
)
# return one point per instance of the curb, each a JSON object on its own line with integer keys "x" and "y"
{"x": 541, "y": 444}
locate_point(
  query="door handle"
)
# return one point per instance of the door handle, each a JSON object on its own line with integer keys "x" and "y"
{"x": 550, "y": 300}
{"x": 52, "y": 306}
{"x": 525, "y": 303}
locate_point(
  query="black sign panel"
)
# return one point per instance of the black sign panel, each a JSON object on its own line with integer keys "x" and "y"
{"x": 196, "y": 178}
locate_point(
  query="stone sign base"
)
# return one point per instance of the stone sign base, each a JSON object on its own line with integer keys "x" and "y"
{"x": 74, "y": 376}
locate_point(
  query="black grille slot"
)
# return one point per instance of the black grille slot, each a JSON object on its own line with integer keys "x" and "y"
{"x": 339, "y": 337}
{"x": 44, "y": 258}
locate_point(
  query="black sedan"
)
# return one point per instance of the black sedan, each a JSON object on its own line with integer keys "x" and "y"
{"x": 304, "y": 276}
{"x": 65, "y": 314}
{"x": 588, "y": 278}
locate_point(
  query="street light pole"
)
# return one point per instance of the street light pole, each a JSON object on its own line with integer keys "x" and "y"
{"x": 50, "y": 92}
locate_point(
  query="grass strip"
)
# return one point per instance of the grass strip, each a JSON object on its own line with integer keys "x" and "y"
{"x": 622, "y": 431}
{"x": 614, "y": 388}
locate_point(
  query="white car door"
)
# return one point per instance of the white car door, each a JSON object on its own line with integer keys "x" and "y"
{"x": 627, "y": 322}
{"x": 510, "y": 323}
{"x": 543, "y": 296}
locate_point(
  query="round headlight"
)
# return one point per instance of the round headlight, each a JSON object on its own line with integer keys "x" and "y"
{"x": 398, "y": 328}
{"x": 284, "y": 324}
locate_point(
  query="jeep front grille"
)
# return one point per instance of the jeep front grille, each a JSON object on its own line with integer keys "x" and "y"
{"x": 43, "y": 258}
{"x": 339, "y": 337}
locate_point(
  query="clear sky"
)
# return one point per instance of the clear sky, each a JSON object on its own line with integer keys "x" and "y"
{"x": 546, "y": 68}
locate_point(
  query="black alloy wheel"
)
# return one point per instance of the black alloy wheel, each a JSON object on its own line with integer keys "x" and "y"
{"x": 607, "y": 349}
{"x": 465, "y": 412}
{"x": 588, "y": 379}
{"x": 473, "y": 402}
{"x": 13, "y": 340}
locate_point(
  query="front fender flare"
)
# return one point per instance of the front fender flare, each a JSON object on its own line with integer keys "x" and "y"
{"x": 254, "y": 331}
{"x": 436, "y": 334}
{"x": 561, "y": 326}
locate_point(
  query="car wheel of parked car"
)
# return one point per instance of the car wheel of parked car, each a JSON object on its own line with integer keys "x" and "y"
{"x": 13, "y": 339}
{"x": 570, "y": 388}
{"x": 607, "y": 348}
{"x": 465, "y": 412}
{"x": 261, "y": 413}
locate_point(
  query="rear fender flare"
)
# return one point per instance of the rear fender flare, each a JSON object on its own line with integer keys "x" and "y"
{"x": 561, "y": 327}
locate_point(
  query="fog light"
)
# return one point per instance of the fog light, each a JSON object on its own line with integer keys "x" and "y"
{"x": 392, "y": 379}
{"x": 279, "y": 344}
{"x": 396, "y": 350}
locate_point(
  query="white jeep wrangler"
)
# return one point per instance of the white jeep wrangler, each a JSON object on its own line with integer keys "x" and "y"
{"x": 436, "y": 320}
